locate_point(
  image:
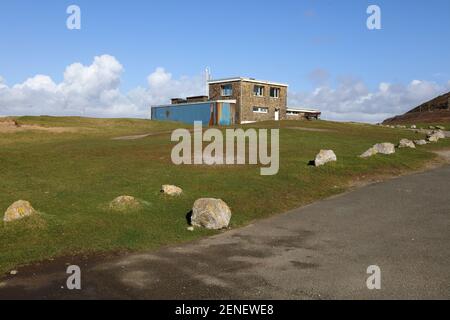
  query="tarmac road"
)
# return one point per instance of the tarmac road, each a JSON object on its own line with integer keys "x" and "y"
{"x": 321, "y": 251}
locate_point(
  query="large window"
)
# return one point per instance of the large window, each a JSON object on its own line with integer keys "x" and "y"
{"x": 275, "y": 92}
{"x": 258, "y": 91}
{"x": 227, "y": 90}
{"x": 260, "y": 110}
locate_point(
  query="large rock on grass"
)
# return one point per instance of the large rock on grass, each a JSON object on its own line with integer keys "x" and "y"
{"x": 405, "y": 143}
{"x": 435, "y": 136}
{"x": 385, "y": 148}
{"x": 19, "y": 210}
{"x": 382, "y": 148}
{"x": 324, "y": 157}
{"x": 213, "y": 214}
{"x": 171, "y": 190}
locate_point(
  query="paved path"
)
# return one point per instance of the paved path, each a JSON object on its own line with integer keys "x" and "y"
{"x": 320, "y": 251}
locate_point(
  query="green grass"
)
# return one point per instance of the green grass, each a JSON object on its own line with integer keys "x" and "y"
{"x": 71, "y": 177}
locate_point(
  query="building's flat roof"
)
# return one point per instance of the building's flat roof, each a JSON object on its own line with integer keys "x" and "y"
{"x": 303, "y": 110}
{"x": 193, "y": 103}
{"x": 235, "y": 79}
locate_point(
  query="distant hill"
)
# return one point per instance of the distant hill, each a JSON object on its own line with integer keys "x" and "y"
{"x": 433, "y": 111}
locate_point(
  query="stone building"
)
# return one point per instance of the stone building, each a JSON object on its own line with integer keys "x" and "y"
{"x": 255, "y": 100}
{"x": 234, "y": 101}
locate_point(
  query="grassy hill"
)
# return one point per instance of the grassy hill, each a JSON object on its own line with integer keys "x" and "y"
{"x": 434, "y": 112}
{"x": 73, "y": 168}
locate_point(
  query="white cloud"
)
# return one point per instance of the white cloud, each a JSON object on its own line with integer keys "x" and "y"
{"x": 351, "y": 100}
{"x": 95, "y": 90}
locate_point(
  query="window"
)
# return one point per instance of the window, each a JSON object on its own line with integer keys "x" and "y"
{"x": 227, "y": 90}
{"x": 260, "y": 110}
{"x": 293, "y": 113}
{"x": 275, "y": 92}
{"x": 258, "y": 91}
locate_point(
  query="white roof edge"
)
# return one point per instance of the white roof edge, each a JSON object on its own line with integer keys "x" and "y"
{"x": 192, "y": 103}
{"x": 247, "y": 80}
{"x": 302, "y": 109}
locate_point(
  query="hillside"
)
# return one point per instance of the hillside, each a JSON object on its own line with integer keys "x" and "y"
{"x": 436, "y": 111}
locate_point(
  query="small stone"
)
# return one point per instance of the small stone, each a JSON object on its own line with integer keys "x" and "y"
{"x": 324, "y": 157}
{"x": 413, "y": 126}
{"x": 190, "y": 229}
{"x": 19, "y": 210}
{"x": 440, "y": 127}
{"x": 14, "y": 272}
{"x": 171, "y": 190}
{"x": 405, "y": 143}
{"x": 420, "y": 142}
{"x": 124, "y": 203}
{"x": 369, "y": 153}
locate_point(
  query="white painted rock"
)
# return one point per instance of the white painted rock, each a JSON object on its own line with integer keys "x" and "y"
{"x": 324, "y": 157}
{"x": 211, "y": 214}
{"x": 405, "y": 143}
{"x": 385, "y": 148}
{"x": 420, "y": 142}
{"x": 171, "y": 190}
{"x": 124, "y": 203}
{"x": 19, "y": 210}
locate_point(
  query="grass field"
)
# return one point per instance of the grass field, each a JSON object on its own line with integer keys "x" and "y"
{"x": 71, "y": 176}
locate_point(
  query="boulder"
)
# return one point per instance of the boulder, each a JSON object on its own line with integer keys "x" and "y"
{"x": 369, "y": 153}
{"x": 435, "y": 136}
{"x": 213, "y": 214}
{"x": 385, "y": 148}
{"x": 440, "y": 128}
{"x": 432, "y": 127}
{"x": 19, "y": 210}
{"x": 405, "y": 143}
{"x": 124, "y": 203}
{"x": 440, "y": 134}
{"x": 171, "y": 190}
{"x": 324, "y": 157}
{"x": 420, "y": 142}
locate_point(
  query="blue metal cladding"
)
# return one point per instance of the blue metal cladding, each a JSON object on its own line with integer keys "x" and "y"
{"x": 209, "y": 113}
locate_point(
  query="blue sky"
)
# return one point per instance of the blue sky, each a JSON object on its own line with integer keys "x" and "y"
{"x": 308, "y": 44}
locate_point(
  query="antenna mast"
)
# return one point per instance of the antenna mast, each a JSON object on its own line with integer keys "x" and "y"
{"x": 207, "y": 79}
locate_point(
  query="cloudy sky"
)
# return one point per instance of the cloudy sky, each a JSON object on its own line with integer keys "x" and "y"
{"x": 129, "y": 55}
